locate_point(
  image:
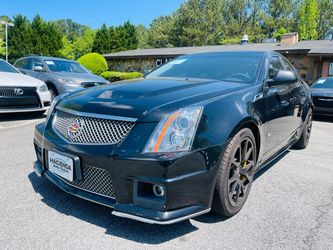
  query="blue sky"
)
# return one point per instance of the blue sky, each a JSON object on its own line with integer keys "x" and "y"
{"x": 92, "y": 12}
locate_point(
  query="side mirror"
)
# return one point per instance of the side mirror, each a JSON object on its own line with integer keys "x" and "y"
{"x": 38, "y": 69}
{"x": 282, "y": 77}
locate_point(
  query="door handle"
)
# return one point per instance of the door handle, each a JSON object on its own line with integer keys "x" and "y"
{"x": 292, "y": 100}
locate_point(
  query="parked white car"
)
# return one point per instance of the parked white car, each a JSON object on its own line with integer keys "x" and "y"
{"x": 21, "y": 93}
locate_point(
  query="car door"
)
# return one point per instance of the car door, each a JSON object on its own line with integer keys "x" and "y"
{"x": 299, "y": 96}
{"x": 280, "y": 103}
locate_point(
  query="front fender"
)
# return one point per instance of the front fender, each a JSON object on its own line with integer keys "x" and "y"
{"x": 223, "y": 117}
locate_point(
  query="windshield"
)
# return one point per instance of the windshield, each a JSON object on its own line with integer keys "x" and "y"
{"x": 326, "y": 83}
{"x": 6, "y": 67}
{"x": 231, "y": 66}
{"x": 65, "y": 66}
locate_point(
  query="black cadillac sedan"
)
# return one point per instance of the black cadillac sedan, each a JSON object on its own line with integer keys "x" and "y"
{"x": 186, "y": 139}
{"x": 322, "y": 96}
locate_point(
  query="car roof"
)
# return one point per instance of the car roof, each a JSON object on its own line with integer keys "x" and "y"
{"x": 231, "y": 52}
{"x": 46, "y": 58}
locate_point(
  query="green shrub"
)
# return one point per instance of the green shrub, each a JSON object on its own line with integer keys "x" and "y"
{"x": 114, "y": 76}
{"x": 95, "y": 62}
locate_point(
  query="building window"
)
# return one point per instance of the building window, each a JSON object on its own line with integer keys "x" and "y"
{"x": 330, "y": 70}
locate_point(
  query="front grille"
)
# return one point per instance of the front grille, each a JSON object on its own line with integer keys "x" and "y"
{"x": 28, "y": 97}
{"x": 95, "y": 180}
{"x": 6, "y": 91}
{"x": 324, "y": 102}
{"x": 91, "y": 84}
{"x": 90, "y": 130}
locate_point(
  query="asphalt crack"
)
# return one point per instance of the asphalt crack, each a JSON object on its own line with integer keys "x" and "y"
{"x": 323, "y": 210}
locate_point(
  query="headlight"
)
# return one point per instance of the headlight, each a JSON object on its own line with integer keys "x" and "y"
{"x": 175, "y": 132}
{"x": 66, "y": 80}
{"x": 54, "y": 103}
{"x": 43, "y": 88}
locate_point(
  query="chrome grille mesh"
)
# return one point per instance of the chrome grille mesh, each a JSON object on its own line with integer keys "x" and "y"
{"x": 95, "y": 180}
{"x": 90, "y": 130}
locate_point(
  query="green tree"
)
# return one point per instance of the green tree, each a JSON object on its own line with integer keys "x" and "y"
{"x": 20, "y": 38}
{"x": 46, "y": 38}
{"x": 83, "y": 44}
{"x": 2, "y": 36}
{"x": 325, "y": 18}
{"x": 308, "y": 20}
{"x": 2, "y": 47}
{"x": 143, "y": 37}
{"x": 278, "y": 34}
{"x": 70, "y": 29}
{"x": 199, "y": 22}
{"x": 280, "y": 17}
{"x": 102, "y": 41}
{"x": 53, "y": 39}
{"x": 67, "y": 51}
{"x": 2, "y": 41}
{"x": 38, "y": 34}
{"x": 160, "y": 32}
{"x": 115, "y": 34}
{"x": 244, "y": 17}
{"x": 127, "y": 37}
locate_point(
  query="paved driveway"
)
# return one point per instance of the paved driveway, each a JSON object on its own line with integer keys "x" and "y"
{"x": 290, "y": 206}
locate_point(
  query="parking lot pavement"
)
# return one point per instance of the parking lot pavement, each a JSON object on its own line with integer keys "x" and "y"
{"x": 290, "y": 206}
{"x": 10, "y": 121}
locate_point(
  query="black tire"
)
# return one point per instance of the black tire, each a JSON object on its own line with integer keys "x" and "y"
{"x": 303, "y": 141}
{"x": 53, "y": 92}
{"x": 235, "y": 174}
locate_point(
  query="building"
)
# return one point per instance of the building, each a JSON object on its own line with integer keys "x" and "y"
{"x": 313, "y": 59}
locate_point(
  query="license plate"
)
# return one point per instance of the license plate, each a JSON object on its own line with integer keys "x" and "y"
{"x": 61, "y": 165}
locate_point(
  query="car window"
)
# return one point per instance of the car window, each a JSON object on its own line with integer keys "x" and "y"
{"x": 326, "y": 83}
{"x": 64, "y": 66}
{"x": 231, "y": 67}
{"x": 274, "y": 66}
{"x": 24, "y": 64}
{"x": 18, "y": 63}
{"x": 6, "y": 67}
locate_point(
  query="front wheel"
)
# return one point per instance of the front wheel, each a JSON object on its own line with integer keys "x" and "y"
{"x": 235, "y": 175}
{"x": 303, "y": 141}
{"x": 53, "y": 92}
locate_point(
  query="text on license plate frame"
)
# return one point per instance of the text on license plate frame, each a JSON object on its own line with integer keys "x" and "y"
{"x": 61, "y": 165}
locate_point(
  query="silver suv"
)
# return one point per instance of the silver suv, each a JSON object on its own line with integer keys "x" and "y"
{"x": 60, "y": 75}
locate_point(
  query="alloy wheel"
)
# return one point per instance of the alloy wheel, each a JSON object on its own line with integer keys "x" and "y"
{"x": 241, "y": 172}
{"x": 309, "y": 126}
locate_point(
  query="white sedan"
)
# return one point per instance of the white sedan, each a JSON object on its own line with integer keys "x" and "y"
{"x": 21, "y": 93}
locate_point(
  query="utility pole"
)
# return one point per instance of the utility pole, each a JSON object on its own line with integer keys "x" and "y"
{"x": 6, "y": 30}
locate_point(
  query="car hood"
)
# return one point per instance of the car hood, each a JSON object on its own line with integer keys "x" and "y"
{"x": 18, "y": 80}
{"x": 322, "y": 92}
{"x": 79, "y": 77}
{"x": 147, "y": 99}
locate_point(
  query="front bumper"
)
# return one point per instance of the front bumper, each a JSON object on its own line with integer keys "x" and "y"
{"x": 188, "y": 180}
{"x": 129, "y": 211}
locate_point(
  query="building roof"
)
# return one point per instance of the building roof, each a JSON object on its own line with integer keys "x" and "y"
{"x": 315, "y": 47}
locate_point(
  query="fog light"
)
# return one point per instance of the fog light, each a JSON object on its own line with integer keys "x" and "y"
{"x": 158, "y": 190}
